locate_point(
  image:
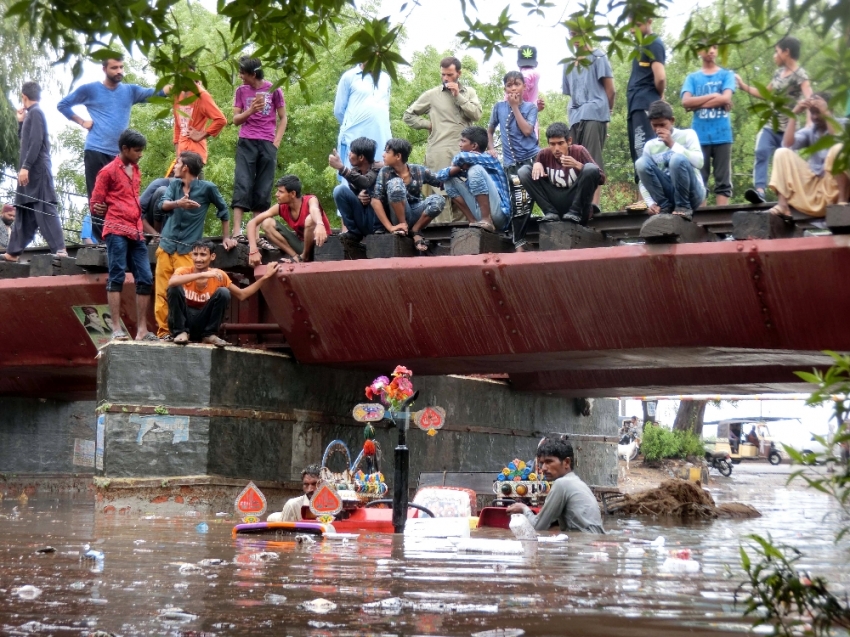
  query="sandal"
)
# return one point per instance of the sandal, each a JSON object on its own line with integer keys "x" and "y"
{"x": 483, "y": 225}
{"x": 265, "y": 244}
{"x": 777, "y": 210}
{"x": 684, "y": 214}
{"x": 120, "y": 335}
{"x": 296, "y": 259}
{"x": 420, "y": 243}
{"x": 150, "y": 337}
{"x": 240, "y": 238}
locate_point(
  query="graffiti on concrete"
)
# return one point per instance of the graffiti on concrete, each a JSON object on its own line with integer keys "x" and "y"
{"x": 177, "y": 426}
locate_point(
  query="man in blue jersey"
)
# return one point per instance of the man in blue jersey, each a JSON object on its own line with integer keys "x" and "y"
{"x": 108, "y": 103}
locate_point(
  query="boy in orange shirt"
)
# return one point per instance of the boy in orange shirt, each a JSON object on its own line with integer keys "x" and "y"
{"x": 190, "y": 122}
{"x": 198, "y": 297}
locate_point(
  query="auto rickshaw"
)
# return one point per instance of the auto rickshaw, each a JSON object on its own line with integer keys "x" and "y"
{"x": 732, "y": 438}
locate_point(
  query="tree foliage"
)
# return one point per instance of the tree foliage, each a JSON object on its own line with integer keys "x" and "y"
{"x": 22, "y": 61}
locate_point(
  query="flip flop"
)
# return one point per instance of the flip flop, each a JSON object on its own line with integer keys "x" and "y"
{"x": 150, "y": 337}
{"x": 483, "y": 225}
{"x": 287, "y": 260}
{"x": 689, "y": 215}
{"x": 120, "y": 335}
{"x": 8, "y": 257}
{"x": 420, "y": 243}
{"x": 777, "y": 210}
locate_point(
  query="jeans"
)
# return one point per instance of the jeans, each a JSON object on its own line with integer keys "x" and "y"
{"x": 432, "y": 205}
{"x": 197, "y": 321}
{"x": 767, "y": 141}
{"x": 359, "y": 219}
{"x": 93, "y": 161}
{"x": 478, "y": 182}
{"x": 123, "y": 253}
{"x": 681, "y": 190}
{"x": 574, "y": 201}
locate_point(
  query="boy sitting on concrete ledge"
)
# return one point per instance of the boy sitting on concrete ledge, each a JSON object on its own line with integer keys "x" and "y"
{"x": 484, "y": 196}
{"x": 669, "y": 169}
{"x": 563, "y": 179}
{"x": 198, "y": 297}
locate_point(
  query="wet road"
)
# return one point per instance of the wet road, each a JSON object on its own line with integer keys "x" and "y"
{"x": 154, "y": 579}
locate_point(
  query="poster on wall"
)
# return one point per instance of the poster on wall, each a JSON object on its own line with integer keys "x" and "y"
{"x": 83, "y": 452}
{"x": 97, "y": 322}
{"x": 98, "y": 451}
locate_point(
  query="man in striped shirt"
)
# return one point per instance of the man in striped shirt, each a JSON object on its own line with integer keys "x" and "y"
{"x": 484, "y": 198}
{"x": 669, "y": 169}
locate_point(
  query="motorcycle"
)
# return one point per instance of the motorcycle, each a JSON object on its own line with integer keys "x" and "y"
{"x": 720, "y": 460}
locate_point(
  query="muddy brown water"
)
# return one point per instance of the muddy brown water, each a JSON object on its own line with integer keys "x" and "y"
{"x": 589, "y": 585}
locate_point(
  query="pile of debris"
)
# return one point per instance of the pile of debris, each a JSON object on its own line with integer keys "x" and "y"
{"x": 680, "y": 499}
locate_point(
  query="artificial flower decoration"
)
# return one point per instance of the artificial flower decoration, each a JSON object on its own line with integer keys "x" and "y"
{"x": 392, "y": 393}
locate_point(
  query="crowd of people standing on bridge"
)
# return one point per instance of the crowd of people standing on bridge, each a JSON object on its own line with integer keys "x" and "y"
{"x": 468, "y": 174}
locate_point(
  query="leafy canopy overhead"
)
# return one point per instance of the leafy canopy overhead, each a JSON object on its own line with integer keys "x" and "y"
{"x": 286, "y": 34}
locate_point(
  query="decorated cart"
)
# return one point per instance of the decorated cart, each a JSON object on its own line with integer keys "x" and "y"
{"x": 517, "y": 482}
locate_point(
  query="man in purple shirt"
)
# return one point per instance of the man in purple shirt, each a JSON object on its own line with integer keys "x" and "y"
{"x": 260, "y": 114}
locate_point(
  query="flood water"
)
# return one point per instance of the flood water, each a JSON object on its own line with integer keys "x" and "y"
{"x": 590, "y": 585}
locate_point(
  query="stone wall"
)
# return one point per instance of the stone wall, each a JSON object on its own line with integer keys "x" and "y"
{"x": 196, "y": 410}
{"x": 47, "y": 436}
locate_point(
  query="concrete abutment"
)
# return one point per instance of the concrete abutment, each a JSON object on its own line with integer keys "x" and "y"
{"x": 207, "y": 420}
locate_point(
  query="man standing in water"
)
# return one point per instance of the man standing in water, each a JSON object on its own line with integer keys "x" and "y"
{"x": 570, "y": 501}
{"x": 292, "y": 509}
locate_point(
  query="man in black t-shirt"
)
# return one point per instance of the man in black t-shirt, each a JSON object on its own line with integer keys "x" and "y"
{"x": 646, "y": 85}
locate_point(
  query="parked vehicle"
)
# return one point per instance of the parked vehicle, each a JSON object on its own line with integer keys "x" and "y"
{"x": 721, "y": 461}
{"x": 731, "y": 439}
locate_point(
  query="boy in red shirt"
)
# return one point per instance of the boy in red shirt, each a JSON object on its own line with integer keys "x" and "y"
{"x": 198, "y": 297}
{"x": 116, "y": 198}
{"x": 563, "y": 178}
{"x": 294, "y": 224}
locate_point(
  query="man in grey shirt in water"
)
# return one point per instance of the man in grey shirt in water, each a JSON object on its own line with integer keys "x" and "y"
{"x": 570, "y": 501}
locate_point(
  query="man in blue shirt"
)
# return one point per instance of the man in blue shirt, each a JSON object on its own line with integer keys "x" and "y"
{"x": 484, "y": 198}
{"x": 708, "y": 93}
{"x": 109, "y": 103}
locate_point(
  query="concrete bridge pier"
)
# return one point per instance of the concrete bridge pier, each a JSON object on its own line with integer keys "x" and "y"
{"x": 191, "y": 425}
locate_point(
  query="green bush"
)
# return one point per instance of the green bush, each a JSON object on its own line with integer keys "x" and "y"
{"x": 659, "y": 442}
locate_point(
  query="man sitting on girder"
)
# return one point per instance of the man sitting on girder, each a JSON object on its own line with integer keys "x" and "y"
{"x": 292, "y": 509}
{"x": 570, "y": 501}
{"x": 563, "y": 178}
{"x": 198, "y": 297}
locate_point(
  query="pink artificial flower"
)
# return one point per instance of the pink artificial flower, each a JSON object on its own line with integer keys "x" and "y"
{"x": 400, "y": 370}
{"x": 404, "y": 386}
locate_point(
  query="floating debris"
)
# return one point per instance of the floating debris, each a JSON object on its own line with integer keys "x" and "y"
{"x": 274, "y": 598}
{"x": 676, "y": 565}
{"x": 46, "y": 549}
{"x": 303, "y": 538}
{"x": 190, "y": 569}
{"x": 174, "y": 614}
{"x": 27, "y": 592}
{"x": 264, "y": 556}
{"x": 212, "y": 561}
{"x": 319, "y": 605}
{"x": 395, "y": 605}
{"x": 500, "y": 632}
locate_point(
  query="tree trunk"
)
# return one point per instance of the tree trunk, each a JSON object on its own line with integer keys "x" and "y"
{"x": 690, "y": 416}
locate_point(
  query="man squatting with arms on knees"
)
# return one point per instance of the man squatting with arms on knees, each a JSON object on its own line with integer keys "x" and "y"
{"x": 292, "y": 509}
{"x": 570, "y": 502}
{"x": 198, "y": 297}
